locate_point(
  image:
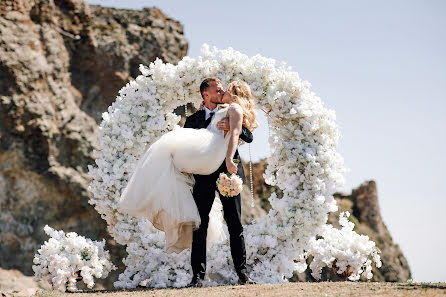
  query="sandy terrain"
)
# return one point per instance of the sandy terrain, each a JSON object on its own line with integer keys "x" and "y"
{"x": 322, "y": 289}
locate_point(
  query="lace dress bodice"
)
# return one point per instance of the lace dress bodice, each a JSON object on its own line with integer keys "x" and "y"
{"x": 220, "y": 114}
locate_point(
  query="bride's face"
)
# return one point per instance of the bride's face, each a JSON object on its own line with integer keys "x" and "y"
{"x": 227, "y": 97}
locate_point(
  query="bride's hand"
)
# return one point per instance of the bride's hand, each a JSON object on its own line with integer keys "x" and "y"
{"x": 231, "y": 166}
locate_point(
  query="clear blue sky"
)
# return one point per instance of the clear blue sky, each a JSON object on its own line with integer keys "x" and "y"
{"x": 381, "y": 65}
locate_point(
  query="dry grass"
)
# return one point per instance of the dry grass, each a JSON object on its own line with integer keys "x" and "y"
{"x": 322, "y": 289}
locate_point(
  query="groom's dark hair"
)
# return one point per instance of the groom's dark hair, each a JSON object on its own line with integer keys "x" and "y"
{"x": 205, "y": 84}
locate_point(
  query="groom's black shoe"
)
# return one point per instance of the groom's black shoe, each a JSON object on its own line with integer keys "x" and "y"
{"x": 196, "y": 282}
{"x": 243, "y": 279}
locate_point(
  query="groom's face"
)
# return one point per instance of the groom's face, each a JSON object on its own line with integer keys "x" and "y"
{"x": 214, "y": 92}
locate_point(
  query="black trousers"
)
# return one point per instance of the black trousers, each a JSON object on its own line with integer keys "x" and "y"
{"x": 204, "y": 194}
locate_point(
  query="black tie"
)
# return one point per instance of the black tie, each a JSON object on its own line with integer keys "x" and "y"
{"x": 208, "y": 121}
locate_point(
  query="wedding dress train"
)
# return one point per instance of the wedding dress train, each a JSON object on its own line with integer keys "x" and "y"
{"x": 160, "y": 188}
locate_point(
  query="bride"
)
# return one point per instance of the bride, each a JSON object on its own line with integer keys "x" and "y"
{"x": 160, "y": 188}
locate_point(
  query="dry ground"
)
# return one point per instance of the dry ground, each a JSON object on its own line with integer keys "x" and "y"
{"x": 322, "y": 289}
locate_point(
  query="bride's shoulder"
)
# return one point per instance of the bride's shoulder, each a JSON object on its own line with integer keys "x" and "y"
{"x": 235, "y": 107}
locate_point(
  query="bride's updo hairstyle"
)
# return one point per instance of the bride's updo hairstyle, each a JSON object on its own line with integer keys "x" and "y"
{"x": 242, "y": 95}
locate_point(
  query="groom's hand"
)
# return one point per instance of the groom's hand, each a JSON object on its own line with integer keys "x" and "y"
{"x": 201, "y": 105}
{"x": 223, "y": 124}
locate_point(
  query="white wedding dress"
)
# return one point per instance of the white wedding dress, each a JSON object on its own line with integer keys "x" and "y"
{"x": 160, "y": 188}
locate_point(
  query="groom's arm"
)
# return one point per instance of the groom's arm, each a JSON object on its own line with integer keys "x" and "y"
{"x": 190, "y": 123}
{"x": 246, "y": 135}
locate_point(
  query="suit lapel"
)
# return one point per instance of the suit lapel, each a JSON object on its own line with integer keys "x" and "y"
{"x": 201, "y": 117}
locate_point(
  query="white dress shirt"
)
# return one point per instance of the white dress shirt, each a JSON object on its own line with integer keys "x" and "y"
{"x": 208, "y": 111}
{"x": 208, "y": 114}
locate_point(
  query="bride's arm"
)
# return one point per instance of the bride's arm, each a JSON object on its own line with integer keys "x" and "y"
{"x": 235, "y": 114}
{"x": 245, "y": 134}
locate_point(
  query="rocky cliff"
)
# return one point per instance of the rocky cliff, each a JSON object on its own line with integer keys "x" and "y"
{"x": 363, "y": 205}
{"x": 62, "y": 63}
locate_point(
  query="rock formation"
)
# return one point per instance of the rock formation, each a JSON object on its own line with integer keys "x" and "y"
{"x": 363, "y": 206}
{"x": 62, "y": 63}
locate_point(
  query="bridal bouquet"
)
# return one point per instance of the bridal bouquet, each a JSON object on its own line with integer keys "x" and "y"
{"x": 66, "y": 258}
{"x": 229, "y": 185}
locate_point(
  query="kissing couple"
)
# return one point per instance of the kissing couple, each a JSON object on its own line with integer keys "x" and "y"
{"x": 174, "y": 182}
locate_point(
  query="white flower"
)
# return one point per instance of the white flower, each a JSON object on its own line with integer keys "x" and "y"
{"x": 304, "y": 165}
{"x": 349, "y": 249}
{"x": 63, "y": 255}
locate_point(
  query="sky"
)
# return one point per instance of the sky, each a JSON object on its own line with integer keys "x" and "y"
{"x": 381, "y": 65}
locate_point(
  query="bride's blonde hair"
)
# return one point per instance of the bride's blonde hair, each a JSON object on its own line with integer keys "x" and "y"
{"x": 242, "y": 96}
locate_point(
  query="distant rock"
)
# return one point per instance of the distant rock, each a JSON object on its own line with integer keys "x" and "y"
{"x": 363, "y": 206}
{"x": 248, "y": 212}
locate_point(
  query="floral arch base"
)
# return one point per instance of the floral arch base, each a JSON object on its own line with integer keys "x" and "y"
{"x": 304, "y": 165}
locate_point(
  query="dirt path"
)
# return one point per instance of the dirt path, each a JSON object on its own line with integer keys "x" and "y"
{"x": 322, "y": 289}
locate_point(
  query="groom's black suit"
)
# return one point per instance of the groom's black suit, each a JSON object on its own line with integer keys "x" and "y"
{"x": 204, "y": 194}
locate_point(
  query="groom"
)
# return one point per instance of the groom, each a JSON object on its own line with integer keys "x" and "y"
{"x": 204, "y": 189}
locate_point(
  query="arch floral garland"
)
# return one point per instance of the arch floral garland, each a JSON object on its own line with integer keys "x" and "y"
{"x": 304, "y": 165}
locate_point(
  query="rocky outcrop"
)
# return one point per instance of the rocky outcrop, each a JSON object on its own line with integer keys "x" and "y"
{"x": 127, "y": 38}
{"x": 363, "y": 206}
{"x": 248, "y": 212}
{"x": 62, "y": 63}
{"x": 261, "y": 190}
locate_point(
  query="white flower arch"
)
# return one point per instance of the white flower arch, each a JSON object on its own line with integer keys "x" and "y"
{"x": 304, "y": 165}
